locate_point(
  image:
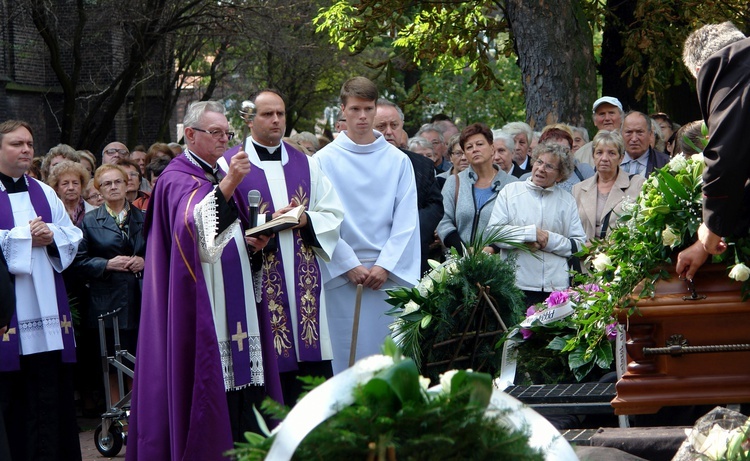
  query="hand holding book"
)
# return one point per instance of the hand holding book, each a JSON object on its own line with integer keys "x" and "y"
{"x": 289, "y": 217}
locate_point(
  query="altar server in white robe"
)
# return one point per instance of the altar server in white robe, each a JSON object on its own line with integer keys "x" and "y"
{"x": 379, "y": 246}
{"x": 292, "y": 280}
{"x": 37, "y": 349}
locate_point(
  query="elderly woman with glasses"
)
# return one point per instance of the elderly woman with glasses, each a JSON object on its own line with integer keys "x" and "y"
{"x": 544, "y": 217}
{"x": 468, "y": 196}
{"x": 111, "y": 255}
{"x": 458, "y": 160}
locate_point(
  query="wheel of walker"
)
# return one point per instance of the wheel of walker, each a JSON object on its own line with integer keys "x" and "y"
{"x": 108, "y": 444}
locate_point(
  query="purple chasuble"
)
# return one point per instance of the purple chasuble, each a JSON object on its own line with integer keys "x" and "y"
{"x": 275, "y": 299}
{"x": 9, "y": 348}
{"x": 179, "y": 408}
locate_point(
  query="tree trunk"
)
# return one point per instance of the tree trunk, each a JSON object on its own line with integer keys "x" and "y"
{"x": 555, "y": 53}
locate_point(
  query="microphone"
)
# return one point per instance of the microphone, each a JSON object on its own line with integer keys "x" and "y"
{"x": 253, "y": 201}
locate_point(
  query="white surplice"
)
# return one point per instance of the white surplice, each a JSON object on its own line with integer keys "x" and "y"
{"x": 381, "y": 227}
{"x": 36, "y": 307}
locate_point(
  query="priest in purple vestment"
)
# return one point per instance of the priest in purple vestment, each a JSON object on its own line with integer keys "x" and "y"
{"x": 204, "y": 355}
{"x": 292, "y": 284}
{"x": 37, "y": 348}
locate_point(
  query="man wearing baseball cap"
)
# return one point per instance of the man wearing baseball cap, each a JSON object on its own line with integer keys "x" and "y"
{"x": 607, "y": 112}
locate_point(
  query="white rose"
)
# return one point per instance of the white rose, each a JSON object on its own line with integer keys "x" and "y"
{"x": 601, "y": 262}
{"x": 740, "y": 272}
{"x": 410, "y": 307}
{"x": 678, "y": 163}
{"x": 452, "y": 268}
{"x": 698, "y": 157}
{"x": 445, "y": 380}
{"x": 669, "y": 237}
{"x": 425, "y": 286}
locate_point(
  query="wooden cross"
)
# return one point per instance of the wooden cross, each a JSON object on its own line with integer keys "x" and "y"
{"x": 66, "y": 325}
{"x": 239, "y": 337}
{"x": 6, "y": 335}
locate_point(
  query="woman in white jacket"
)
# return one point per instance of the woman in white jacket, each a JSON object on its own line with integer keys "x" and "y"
{"x": 543, "y": 216}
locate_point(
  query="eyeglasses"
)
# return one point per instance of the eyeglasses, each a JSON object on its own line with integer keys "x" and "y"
{"x": 112, "y": 152}
{"x": 546, "y": 166}
{"x": 457, "y": 153}
{"x": 133, "y": 174}
{"x": 93, "y": 196}
{"x": 217, "y": 134}
{"x": 108, "y": 184}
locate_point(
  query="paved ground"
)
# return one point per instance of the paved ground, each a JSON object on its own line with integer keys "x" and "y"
{"x": 88, "y": 448}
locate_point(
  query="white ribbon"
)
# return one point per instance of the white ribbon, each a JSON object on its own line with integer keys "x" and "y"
{"x": 321, "y": 403}
{"x": 550, "y": 315}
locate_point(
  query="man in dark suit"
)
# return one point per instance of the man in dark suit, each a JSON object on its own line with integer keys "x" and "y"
{"x": 718, "y": 55}
{"x": 389, "y": 120}
{"x": 640, "y": 158}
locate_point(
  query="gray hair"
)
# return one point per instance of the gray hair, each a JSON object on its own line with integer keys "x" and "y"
{"x": 582, "y": 131}
{"x": 196, "y": 110}
{"x": 454, "y": 141}
{"x": 562, "y": 153}
{"x": 307, "y": 137}
{"x": 507, "y": 138}
{"x": 706, "y": 41}
{"x": 431, "y": 127}
{"x": 611, "y": 138}
{"x": 418, "y": 141}
{"x": 388, "y": 103}
{"x": 60, "y": 150}
{"x": 516, "y": 128}
{"x": 659, "y": 141}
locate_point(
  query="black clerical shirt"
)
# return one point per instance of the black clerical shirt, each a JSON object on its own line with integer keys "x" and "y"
{"x": 13, "y": 186}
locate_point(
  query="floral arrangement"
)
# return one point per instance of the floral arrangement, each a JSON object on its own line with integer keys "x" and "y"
{"x": 454, "y": 317}
{"x": 544, "y": 334}
{"x": 394, "y": 414}
{"x": 664, "y": 219}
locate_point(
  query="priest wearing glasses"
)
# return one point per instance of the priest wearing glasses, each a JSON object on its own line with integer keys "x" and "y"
{"x": 204, "y": 352}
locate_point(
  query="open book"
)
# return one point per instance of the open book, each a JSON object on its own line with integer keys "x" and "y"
{"x": 278, "y": 224}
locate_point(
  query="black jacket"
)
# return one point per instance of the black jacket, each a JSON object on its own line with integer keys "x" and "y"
{"x": 429, "y": 201}
{"x": 110, "y": 290}
{"x": 724, "y": 96}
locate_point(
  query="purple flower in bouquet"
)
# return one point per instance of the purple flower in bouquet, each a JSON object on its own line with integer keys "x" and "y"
{"x": 531, "y": 311}
{"x": 592, "y": 288}
{"x": 611, "y": 330}
{"x": 557, "y": 298}
{"x": 526, "y": 333}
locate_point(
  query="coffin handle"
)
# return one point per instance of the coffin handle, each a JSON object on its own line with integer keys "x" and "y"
{"x": 694, "y": 296}
{"x": 677, "y": 345}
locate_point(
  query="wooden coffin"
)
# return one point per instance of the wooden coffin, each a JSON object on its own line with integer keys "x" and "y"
{"x": 664, "y": 368}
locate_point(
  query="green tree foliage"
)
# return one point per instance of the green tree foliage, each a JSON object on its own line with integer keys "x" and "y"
{"x": 453, "y": 95}
{"x": 652, "y": 56}
{"x": 460, "y": 36}
{"x": 553, "y": 42}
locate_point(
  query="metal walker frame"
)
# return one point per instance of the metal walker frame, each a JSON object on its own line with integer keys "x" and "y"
{"x": 110, "y": 435}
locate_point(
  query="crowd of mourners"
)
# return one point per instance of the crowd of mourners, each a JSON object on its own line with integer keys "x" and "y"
{"x": 162, "y": 240}
{"x": 555, "y": 188}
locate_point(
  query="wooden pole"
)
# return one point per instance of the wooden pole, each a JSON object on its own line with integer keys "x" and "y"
{"x": 355, "y": 326}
